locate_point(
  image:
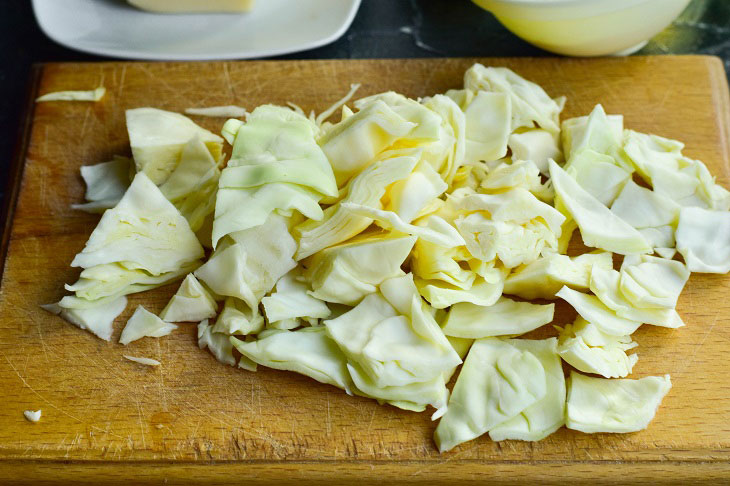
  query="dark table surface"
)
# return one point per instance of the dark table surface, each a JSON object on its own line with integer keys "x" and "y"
{"x": 381, "y": 29}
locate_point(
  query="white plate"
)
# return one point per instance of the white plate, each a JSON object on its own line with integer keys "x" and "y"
{"x": 273, "y": 27}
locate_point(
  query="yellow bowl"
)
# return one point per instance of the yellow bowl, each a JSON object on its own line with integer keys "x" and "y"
{"x": 585, "y": 27}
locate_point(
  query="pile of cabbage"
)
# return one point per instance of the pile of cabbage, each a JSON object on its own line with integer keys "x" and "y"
{"x": 380, "y": 253}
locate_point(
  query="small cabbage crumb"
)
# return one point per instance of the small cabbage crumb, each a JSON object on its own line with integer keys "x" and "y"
{"x": 32, "y": 416}
{"x": 228, "y": 111}
{"x": 144, "y": 361}
{"x": 92, "y": 95}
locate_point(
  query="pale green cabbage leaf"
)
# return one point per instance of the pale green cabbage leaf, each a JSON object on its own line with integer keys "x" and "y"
{"x": 191, "y": 303}
{"x": 505, "y": 317}
{"x": 143, "y": 323}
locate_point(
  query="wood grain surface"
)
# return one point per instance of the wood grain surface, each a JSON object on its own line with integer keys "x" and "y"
{"x": 193, "y": 420}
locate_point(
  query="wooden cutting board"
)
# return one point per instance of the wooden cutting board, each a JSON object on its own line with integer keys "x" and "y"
{"x": 194, "y": 420}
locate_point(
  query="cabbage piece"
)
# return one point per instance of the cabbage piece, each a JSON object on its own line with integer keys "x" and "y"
{"x": 619, "y": 406}
{"x": 598, "y": 175}
{"x": 585, "y": 347}
{"x": 91, "y": 95}
{"x": 598, "y": 132}
{"x": 427, "y": 123}
{"x": 96, "y": 317}
{"x": 497, "y": 382}
{"x": 227, "y": 111}
{"x": 308, "y": 351}
{"x": 702, "y": 238}
{"x": 249, "y": 267}
{"x": 644, "y": 208}
{"x": 544, "y": 277}
{"x": 197, "y": 168}
{"x": 651, "y": 282}
{"x": 237, "y": 318}
{"x": 447, "y": 154}
{"x": 144, "y": 231}
{"x": 593, "y": 310}
{"x": 660, "y": 163}
{"x": 441, "y": 295}
{"x": 599, "y": 227}
{"x": 106, "y": 184}
{"x": 547, "y": 414}
{"x": 142, "y": 361}
{"x": 488, "y": 119}
{"x": 157, "y": 138}
{"x": 409, "y": 196}
{"x": 530, "y": 103}
{"x": 430, "y": 261}
{"x": 143, "y": 323}
{"x": 537, "y": 146}
{"x": 504, "y": 318}
{"x": 291, "y": 300}
{"x": 340, "y": 224}
{"x": 392, "y": 338}
{"x": 521, "y": 173}
{"x": 433, "y": 228}
{"x": 218, "y": 344}
{"x": 356, "y": 141}
{"x": 191, "y": 303}
{"x": 347, "y": 272}
{"x": 606, "y": 285}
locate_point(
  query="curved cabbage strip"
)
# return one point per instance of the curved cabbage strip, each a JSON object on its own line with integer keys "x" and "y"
{"x": 496, "y": 383}
{"x": 354, "y": 143}
{"x": 426, "y": 123}
{"x": 620, "y": 406}
{"x": 191, "y": 303}
{"x": 488, "y": 119}
{"x": 218, "y": 344}
{"x": 392, "y": 338}
{"x": 654, "y": 215}
{"x": 702, "y": 239}
{"x": 521, "y": 173}
{"x": 537, "y": 146}
{"x": 599, "y": 227}
{"x": 409, "y": 196}
{"x": 143, "y": 323}
{"x": 606, "y": 285}
{"x": 84, "y": 95}
{"x": 237, "y": 318}
{"x": 348, "y": 272}
{"x": 530, "y": 103}
{"x": 660, "y": 163}
{"x": 505, "y": 317}
{"x": 597, "y": 132}
{"x": 144, "y": 231}
{"x": 157, "y": 138}
{"x": 593, "y": 310}
{"x": 430, "y": 261}
{"x": 547, "y": 415}
{"x": 308, "y": 351}
{"x": 651, "y": 282}
{"x": 367, "y": 188}
{"x": 226, "y": 111}
{"x": 442, "y": 295}
{"x": 447, "y": 154}
{"x": 291, "y": 301}
{"x": 96, "y": 317}
{"x": 106, "y": 184}
{"x": 583, "y": 346}
{"x": 598, "y": 175}
{"x": 544, "y": 277}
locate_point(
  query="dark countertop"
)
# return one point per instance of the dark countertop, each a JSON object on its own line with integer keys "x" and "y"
{"x": 411, "y": 28}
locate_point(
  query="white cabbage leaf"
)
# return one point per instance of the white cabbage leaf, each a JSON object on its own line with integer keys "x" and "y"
{"x": 237, "y": 318}
{"x": 143, "y": 323}
{"x": 598, "y": 175}
{"x": 106, "y": 184}
{"x": 89, "y": 95}
{"x": 520, "y": 173}
{"x": 496, "y": 382}
{"x": 441, "y": 294}
{"x": 157, "y": 138}
{"x": 292, "y": 300}
{"x": 585, "y": 347}
{"x": 191, "y": 303}
{"x": 447, "y": 154}
{"x": 547, "y": 415}
{"x": 142, "y": 361}
{"x": 427, "y": 124}
{"x": 620, "y": 406}
{"x": 597, "y": 132}
{"x": 227, "y": 111}
{"x": 96, "y": 317}
{"x": 702, "y": 239}
{"x": 593, "y": 310}
{"x": 218, "y": 344}
{"x": 505, "y": 317}
{"x": 308, "y": 351}
{"x": 537, "y": 146}
{"x": 651, "y": 282}
{"x": 409, "y": 196}
{"x": 347, "y": 272}
{"x": 488, "y": 119}
{"x": 430, "y": 261}
{"x": 544, "y": 277}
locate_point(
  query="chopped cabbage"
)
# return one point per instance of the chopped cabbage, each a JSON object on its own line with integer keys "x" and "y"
{"x": 347, "y": 272}
{"x": 143, "y": 323}
{"x": 228, "y": 111}
{"x": 409, "y": 196}
{"x": 598, "y": 175}
{"x": 585, "y": 347}
{"x": 441, "y": 294}
{"x": 547, "y": 415}
{"x": 597, "y": 132}
{"x": 237, "y": 318}
{"x": 619, "y": 406}
{"x": 427, "y": 124}
{"x": 91, "y": 95}
{"x": 521, "y": 173}
{"x": 157, "y": 138}
{"x": 505, "y": 317}
{"x": 537, "y": 146}
{"x": 430, "y": 261}
{"x": 593, "y": 310}
{"x": 702, "y": 239}
{"x": 32, "y": 415}
{"x": 599, "y": 227}
{"x": 191, "y": 303}
{"x": 308, "y": 351}
{"x": 143, "y": 361}
{"x": 96, "y": 317}
{"x": 447, "y": 154}
{"x": 496, "y": 383}
{"x": 218, "y": 344}
{"x": 488, "y": 119}
{"x": 106, "y": 184}
{"x": 651, "y": 282}
{"x": 291, "y": 300}
{"x": 544, "y": 277}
